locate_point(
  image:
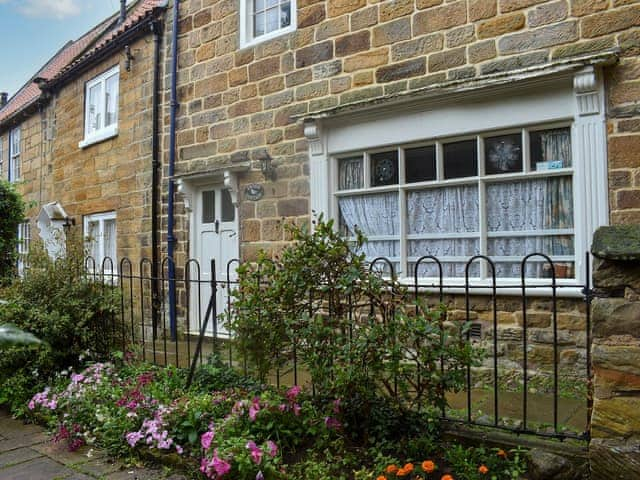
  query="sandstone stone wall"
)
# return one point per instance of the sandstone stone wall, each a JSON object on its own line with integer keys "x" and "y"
{"x": 237, "y": 103}
{"x": 115, "y": 174}
{"x": 615, "y": 445}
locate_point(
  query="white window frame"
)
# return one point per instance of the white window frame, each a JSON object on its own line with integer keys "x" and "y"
{"x": 24, "y": 242}
{"x": 15, "y": 150}
{"x": 102, "y": 133}
{"x": 247, "y": 39}
{"x": 100, "y": 218}
{"x": 574, "y": 96}
{"x": 481, "y": 181}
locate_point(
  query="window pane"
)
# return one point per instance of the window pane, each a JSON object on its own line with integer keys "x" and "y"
{"x": 449, "y": 269}
{"x": 258, "y": 5}
{"x": 350, "y": 173}
{"x": 443, "y": 210}
{"x": 384, "y": 168}
{"x": 460, "y": 159}
{"x": 272, "y": 20}
{"x": 93, "y": 120}
{"x": 550, "y": 149}
{"x": 375, "y": 215}
{"x": 208, "y": 206}
{"x": 503, "y": 154}
{"x": 272, "y": 3}
{"x": 540, "y": 204}
{"x": 110, "y": 239}
{"x": 93, "y": 233}
{"x": 111, "y": 100}
{"x": 420, "y": 164}
{"x": 285, "y": 15}
{"x": 228, "y": 210}
{"x": 258, "y": 24}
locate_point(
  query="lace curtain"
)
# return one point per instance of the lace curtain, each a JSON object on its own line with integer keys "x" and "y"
{"x": 530, "y": 205}
{"x": 444, "y": 211}
{"x": 374, "y": 215}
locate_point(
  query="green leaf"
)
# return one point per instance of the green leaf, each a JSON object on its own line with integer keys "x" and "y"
{"x": 11, "y": 335}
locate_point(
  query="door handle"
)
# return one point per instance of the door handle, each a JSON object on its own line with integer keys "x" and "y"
{"x": 217, "y": 226}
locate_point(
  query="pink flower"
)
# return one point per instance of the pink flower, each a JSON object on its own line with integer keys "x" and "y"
{"x": 256, "y": 453}
{"x": 254, "y": 409}
{"x": 179, "y": 450}
{"x": 272, "y": 448}
{"x": 220, "y": 466}
{"x": 296, "y": 409}
{"x": 259, "y": 475}
{"x": 206, "y": 438}
{"x": 282, "y": 407}
{"x": 293, "y": 393}
{"x": 133, "y": 438}
{"x": 332, "y": 423}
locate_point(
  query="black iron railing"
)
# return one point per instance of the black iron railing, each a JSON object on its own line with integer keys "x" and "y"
{"x": 203, "y": 300}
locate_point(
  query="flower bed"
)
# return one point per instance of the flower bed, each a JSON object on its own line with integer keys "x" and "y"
{"x": 243, "y": 430}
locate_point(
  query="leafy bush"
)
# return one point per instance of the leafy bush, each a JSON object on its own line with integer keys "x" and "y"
{"x": 12, "y": 215}
{"x": 359, "y": 335}
{"x": 56, "y": 303}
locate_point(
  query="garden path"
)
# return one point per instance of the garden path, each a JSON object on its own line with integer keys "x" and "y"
{"x": 26, "y": 453}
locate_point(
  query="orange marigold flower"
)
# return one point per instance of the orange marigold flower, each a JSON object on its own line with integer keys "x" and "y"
{"x": 428, "y": 466}
{"x": 391, "y": 468}
{"x": 502, "y": 453}
{"x": 381, "y": 477}
{"x": 408, "y": 467}
{"x": 483, "y": 469}
{"x": 402, "y": 473}
{"x": 447, "y": 477}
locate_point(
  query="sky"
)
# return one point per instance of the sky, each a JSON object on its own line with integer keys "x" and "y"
{"x": 32, "y": 31}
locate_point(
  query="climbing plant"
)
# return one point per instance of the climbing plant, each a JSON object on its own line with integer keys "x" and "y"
{"x": 11, "y": 216}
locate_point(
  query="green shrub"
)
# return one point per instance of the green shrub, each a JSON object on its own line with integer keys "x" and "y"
{"x": 12, "y": 215}
{"x": 359, "y": 335}
{"x": 55, "y": 302}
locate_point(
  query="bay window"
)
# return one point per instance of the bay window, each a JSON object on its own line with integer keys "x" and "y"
{"x": 503, "y": 194}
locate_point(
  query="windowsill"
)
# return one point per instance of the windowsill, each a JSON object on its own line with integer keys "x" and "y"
{"x": 565, "y": 287}
{"x": 99, "y": 136}
{"x": 266, "y": 37}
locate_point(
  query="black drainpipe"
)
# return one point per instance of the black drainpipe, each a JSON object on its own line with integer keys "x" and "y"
{"x": 156, "y": 28}
{"x": 123, "y": 11}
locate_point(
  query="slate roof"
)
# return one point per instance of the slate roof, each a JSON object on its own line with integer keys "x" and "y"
{"x": 78, "y": 51}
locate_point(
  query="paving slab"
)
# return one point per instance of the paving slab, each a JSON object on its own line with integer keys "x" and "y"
{"x": 19, "y": 455}
{"x": 42, "y": 468}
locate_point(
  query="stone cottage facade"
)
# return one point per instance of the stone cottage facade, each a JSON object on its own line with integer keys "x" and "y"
{"x": 82, "y": 129}
{"x": 451, "y": 128}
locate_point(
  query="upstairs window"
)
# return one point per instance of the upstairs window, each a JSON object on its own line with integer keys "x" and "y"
{"x": 100, "y": 235}
{"x": 101, "y": 107}
{"x": 503, "y": 194}
{"x": 15, "y": 166}
{"x": 265, "y": 19}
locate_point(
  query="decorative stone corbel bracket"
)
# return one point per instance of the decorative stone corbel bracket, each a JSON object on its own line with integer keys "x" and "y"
{"x": 231, "y": 184}
{"x": 312, "y": 134}
{"x": 586, "y": 88}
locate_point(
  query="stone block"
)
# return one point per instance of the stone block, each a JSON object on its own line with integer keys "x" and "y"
{"x": 481, "y": 9}
{"x": 392, "y": 32}
{"x": 582, "y": 48}
{"x": 549, "y": 13}
{"x": 354, "y": 43}
{"x": 400, "y": 71}
{"x": 447, "y": 59}
{"x": 440, "y": 18}
{"x": 514, "y": 63}
{"x": 332, "y": 27}
{"x": 422, "y": 4}
{"x": 264, "y": 68}
{"x": 620, "y": 243}
{"x": 326, "y": 70}
{"x": 610, "y": 383}
{"x": 366, "y": 17}
{"x": 293, "y": 207}
{"x": 340, "y": 7}
{"x": 418, "y": 46}
{"x": 364, "y": 60}
{"x": 481, "y": 51}
{"x": 621, "y": 358}
{"x": 512, "y": 5}
{"x": 361, "y": 94}
{"x": 540, "y": 38}
{"x": 460, "y": 36}
{"x": 611, "y": 21}
{"x": 614, "y": 458}
{"x": 534, "y": 319}
{"x": 395, "y": 8}
{"x": 317, "y": 53}
{"x": 622, "y": 151}
{"x": 501, "y": 25}
{"x": 617, "y": 417}
{"x": 311, "y": 15}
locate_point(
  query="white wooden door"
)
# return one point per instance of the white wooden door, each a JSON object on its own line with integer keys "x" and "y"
{"x": 216, "y": 237}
